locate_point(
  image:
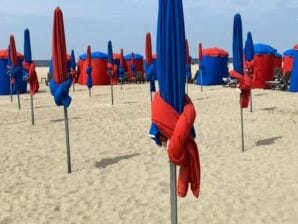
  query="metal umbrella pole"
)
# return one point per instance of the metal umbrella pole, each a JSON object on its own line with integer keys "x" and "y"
{"x": 173, "y": 193}
{"x": 67, "y": 140}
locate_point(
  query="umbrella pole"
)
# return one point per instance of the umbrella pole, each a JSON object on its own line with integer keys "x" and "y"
{"x": 250, "y": 100}
{"x": 121, "y": 83}
{"x": 89, "y": 92}
{"x": 242, "y": 131}
{"x": 201, "y": 82}
{"x": 11, "y": 98}
{"x": 67, "y": 140}
{"x": 73, "y": 87}
{"x": 19, "y": 102}
{"x": 173, "y": 193}
{"x": 112, "y": 94}
{"x": 32, "y": 109}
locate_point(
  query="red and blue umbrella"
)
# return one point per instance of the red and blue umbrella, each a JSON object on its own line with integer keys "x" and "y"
{"x": 149, "y": 67}
{"x": 61, "y": 82}
{"x": 73, "y": 66}
{"x": 89, "y": 82}
{"x": 29, "y": 71}
{"x": 121, "y": 67}
{"x": 173, "y": 113}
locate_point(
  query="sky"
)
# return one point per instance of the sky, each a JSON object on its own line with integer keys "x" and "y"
{"x": 125, "y": 23}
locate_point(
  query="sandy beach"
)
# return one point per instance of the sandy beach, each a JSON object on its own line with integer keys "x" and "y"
{"x": 121, "y": 176}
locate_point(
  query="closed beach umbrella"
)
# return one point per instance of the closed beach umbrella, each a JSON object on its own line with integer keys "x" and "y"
{"x": 201, "y": 66}
{"x": 149, "y": 66}
{"x": 121, "y": 67}
{"x": 173, "y": 113}
{"x": 110, "y": 68}
{"x": 14, "y": 69}
{"x": 73, "y": 65}
{"x": 89, "y": 70}
{"x": 61, "y": 82}
{"x": 29, "y": 70}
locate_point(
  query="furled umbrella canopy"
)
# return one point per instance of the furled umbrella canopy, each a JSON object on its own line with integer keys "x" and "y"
{"x": 149, "y": 66}
{"x": 89, "y": 68}
{"x": 187, "y": 60}
{"x": 29, "y": 65}
{"x": 110, "y": 55}
{"x": 73, "y": 65}
{"x": 132, "y": 64}
{"x": 173, "y": 113}
{"x": 121, "y": 66}
{"x": 237, "y": 44}
{"x": 249, "y": 48}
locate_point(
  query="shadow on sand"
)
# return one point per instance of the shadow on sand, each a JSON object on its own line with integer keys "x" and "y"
{"x": 267, "y": 141}
{"x": 109, "y": 161}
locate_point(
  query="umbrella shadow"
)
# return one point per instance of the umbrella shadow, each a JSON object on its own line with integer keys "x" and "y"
{"x": 202, "y": 98}
{"x": 62, "y": 119}
{"x": 267, "y": 141}
{"x": 260, "y": 94}
{"x": 130, "y": 102}
{"x": 269, "y": 108}
{"x": 109, "y": 161}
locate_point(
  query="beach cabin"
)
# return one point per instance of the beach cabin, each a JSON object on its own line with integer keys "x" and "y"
{"x": 139, "y": 62}
{"x": 264, "y": 65}
{"x": 99, "y": 61}
{"x": 214, "y": 67}
{"x": 294, "y": 72}
{"x": 4, "y": 77}
{"x": 277, "y": 60}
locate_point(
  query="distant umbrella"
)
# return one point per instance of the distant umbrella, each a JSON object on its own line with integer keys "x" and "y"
{"x": 188, "y": 64}
{"x": 89, "y": 82}
{"x": 149, "y": 66}
{"x": 110, "y": 68}
{"x": 171, "y": 101}
{"x": 201, "y": 66}
{"x": 29, "y": 71}
{"x": 73, "y": 72}
{"x": 133, "y": 65}
{"x": 121, "y": 67}
{"x": 61, "y": 82}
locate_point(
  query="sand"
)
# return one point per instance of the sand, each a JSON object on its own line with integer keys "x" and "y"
{"x": 120, "y": 176}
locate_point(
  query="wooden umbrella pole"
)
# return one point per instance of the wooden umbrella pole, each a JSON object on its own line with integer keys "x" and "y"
{"x": 89, "y": 92}
{"x": 111, "y": 84}
{"x": 242, "y": 131}
{"x": 67, "y": 140}
{"x": 173, "y": 193}
{"x": 250, "y": 100}
{"x": 19, "y": 102}
{"x": 121, "y": 82}
{"x": 201, "y": 81}
{"x": 73, "y": 87}
{"x": 11, "y": 98}
{"x": 32, "y": 110}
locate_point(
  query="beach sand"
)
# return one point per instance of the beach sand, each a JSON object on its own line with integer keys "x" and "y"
{"x": 121, "y": 176}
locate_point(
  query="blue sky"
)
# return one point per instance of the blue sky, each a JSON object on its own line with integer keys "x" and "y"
{"x": 126, "y": 22}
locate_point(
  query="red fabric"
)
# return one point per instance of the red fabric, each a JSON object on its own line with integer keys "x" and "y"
{"x": 287, "y": 65}
{"x": 4, "y": 54}
{"x": 187, "y": 57}
{"x": 13, "y": 51}
{"x": 99, "y": 72}
{"x": 116, "y": 56}
{"x": 132, "y": 58}
{"x": 59, "y": 48}
{"x": 263, "y": 70}
{"x": 245, "y": 84}
{"x": 215, "y": 52}
{"x": 32, "y": 79}
{"x": 277, "y": 62}
{"x": 148, "y": 49}
{"x": 182, "y": 149}
{"x": 139, "y": 67}
{"x": 115, "y": 75}
{"x": 200, "y": 52}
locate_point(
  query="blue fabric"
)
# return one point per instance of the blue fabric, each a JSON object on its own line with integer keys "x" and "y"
{"x": 14, "y": 72}
{"x": 278, "y": 55}
{"x": 27, "y": 46}
{"x": 96, "y": 54}
{"x": 61, "y": 92}
{"x": 171, "y": 72}
{"x": 73, "y": 63}
{"x": 121, "y": 71}
{"x": 264, "y": 49}
{"x": 133, "y": 68}
{"x": 249, "y": 48}
{"x": 212, "y": 70}
{"x": 136, "y": 57}
{"x": 150, "y": 71}
{"x": 290, "y": 52}
{"x": 237, "y": 44}
{"x": 294, "y": 75}
{"x": 89, "y": 77}
{"x": 110, "y": 52}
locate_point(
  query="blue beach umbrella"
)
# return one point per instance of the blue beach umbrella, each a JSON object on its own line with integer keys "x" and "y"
{"x": 237, "y": 44}
{"x": 27, "y": 46}
{"x": 73, "y": 65}
{"x": 249, "y": 48}
{"x": 171, "y": 98}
